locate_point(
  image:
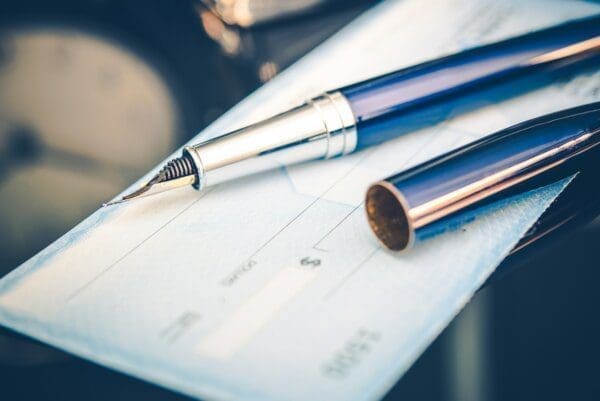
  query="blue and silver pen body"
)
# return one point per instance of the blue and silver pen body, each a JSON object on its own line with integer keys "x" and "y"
{"x": 426, "y": 94}
{"x": 373, "y": 111}
{"x": 370, "y": 112}
{"x": 447, "y": 191}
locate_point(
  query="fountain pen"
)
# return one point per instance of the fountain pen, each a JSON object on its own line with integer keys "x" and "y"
{"x": 367, "y": 113}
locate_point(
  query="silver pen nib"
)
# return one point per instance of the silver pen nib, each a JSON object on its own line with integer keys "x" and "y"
{"x": 176, "y": 173}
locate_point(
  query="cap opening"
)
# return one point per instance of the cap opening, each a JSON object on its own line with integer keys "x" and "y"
{"x": 387, "y": 216}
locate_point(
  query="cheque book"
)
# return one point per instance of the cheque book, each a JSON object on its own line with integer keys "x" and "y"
{"x": 370, "y": 112}
{"x": 445, "y": 192}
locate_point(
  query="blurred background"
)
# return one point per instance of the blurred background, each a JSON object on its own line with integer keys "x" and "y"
{"x": 82, "y": 81}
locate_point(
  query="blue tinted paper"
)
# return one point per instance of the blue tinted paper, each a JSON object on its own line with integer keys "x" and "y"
{"x": 273, "y": 287}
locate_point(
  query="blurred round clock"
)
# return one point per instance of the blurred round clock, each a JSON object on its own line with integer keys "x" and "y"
{"x": 72, "y": 105}
{"x": 92, "y": 95}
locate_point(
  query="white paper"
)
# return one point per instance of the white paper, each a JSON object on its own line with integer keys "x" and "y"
{"x": 273, "y": 287}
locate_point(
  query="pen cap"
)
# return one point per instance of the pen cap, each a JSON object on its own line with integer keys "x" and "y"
{"x": 445, "y": 192}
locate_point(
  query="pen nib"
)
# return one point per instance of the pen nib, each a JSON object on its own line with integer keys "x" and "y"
{"x": 139, "y": 192}
{"x": 176, "y": 173}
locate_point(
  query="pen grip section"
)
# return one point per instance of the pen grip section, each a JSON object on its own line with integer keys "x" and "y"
{"x": 319, "y": 129}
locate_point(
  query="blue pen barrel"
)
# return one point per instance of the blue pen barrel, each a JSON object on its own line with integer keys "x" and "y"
{"x": 445, "y": 192}
{"x": 427, "y": 93}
